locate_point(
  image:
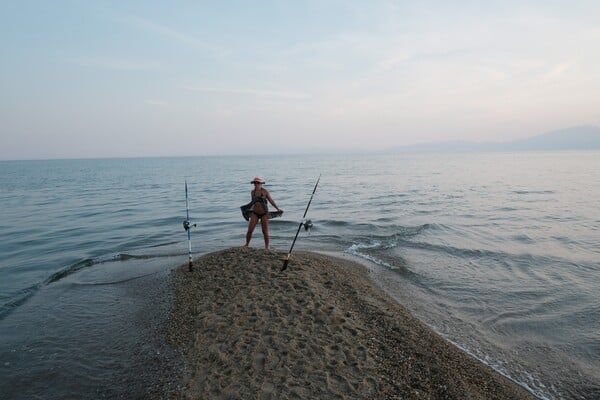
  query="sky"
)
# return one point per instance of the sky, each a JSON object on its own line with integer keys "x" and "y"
{"x": 82, "y": 79}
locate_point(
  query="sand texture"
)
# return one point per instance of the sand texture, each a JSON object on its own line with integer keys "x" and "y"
{"x": 319, "y": 330}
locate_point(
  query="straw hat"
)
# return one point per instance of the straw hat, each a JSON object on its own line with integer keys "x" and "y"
{"x": 258, "y": 179}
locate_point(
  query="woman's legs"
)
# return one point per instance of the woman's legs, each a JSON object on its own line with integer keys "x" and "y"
{"x": 251, "y": 226}
{"x": 264, "y": 221}
{"x": 265, "y": 229}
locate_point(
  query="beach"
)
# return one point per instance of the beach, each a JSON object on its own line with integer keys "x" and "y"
{"x": 321, "y": 329}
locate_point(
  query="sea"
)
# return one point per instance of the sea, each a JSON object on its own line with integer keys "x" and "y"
{"x": 497, "y": 252}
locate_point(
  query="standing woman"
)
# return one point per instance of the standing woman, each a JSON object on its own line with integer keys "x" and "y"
{"x": 260, "y": 211}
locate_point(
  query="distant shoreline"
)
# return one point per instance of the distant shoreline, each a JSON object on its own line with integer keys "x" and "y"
{"x": 583, "y": 138}
{"x": 432, "y": 148}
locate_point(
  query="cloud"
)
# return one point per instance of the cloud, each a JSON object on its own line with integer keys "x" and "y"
{"x": 147, "y": 25}
{"x": 163, "y": 31}
{"x": 118, "y": 64}
{"x": 251, "y": 92}
{"x": 559, "y": 71}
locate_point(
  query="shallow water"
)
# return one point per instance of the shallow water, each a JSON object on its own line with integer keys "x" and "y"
{"x": 498, "y": 252}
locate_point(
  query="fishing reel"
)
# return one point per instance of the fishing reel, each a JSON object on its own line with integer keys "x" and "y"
{"x": 307, "y": 225}
{"x": 187, "y": 225}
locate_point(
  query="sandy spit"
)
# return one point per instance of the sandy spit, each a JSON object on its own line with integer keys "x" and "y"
{"x": 319, "y": 330}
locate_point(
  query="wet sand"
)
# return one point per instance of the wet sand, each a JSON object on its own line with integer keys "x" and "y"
{"x": 319, "y": 330}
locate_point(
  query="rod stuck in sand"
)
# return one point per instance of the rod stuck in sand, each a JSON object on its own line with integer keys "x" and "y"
{"x": 188, "y": 228}
{"x": 307, "y": 225}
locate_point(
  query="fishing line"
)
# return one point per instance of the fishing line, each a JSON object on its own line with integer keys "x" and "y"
{"x": 307, "y": 225}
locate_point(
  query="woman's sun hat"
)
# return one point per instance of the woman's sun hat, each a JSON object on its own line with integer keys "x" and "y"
{"x": 258, "y": 179}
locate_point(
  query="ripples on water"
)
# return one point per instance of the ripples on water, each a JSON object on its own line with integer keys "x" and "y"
{"x": 497, "y": 252}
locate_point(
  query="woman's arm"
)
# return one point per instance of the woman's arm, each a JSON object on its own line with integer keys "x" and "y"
{"x": 272, "y": 202}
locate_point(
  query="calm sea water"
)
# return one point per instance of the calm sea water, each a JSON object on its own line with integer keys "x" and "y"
{"x": 498, "y": 252}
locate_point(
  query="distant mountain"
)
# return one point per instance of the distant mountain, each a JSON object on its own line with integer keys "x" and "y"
{"x": 578, "y": 138}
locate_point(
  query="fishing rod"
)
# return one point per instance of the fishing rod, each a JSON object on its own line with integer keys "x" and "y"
{"x": 307, "y": 225}
{"x": 188, "y": 228}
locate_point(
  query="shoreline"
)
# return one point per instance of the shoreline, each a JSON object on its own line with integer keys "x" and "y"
{"x": 321, "y": 329}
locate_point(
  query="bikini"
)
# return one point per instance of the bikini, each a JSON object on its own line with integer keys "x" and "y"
{"x": 259, "y": 199}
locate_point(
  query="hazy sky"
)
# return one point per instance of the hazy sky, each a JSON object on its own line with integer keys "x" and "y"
{"x": 149, "y": 78}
